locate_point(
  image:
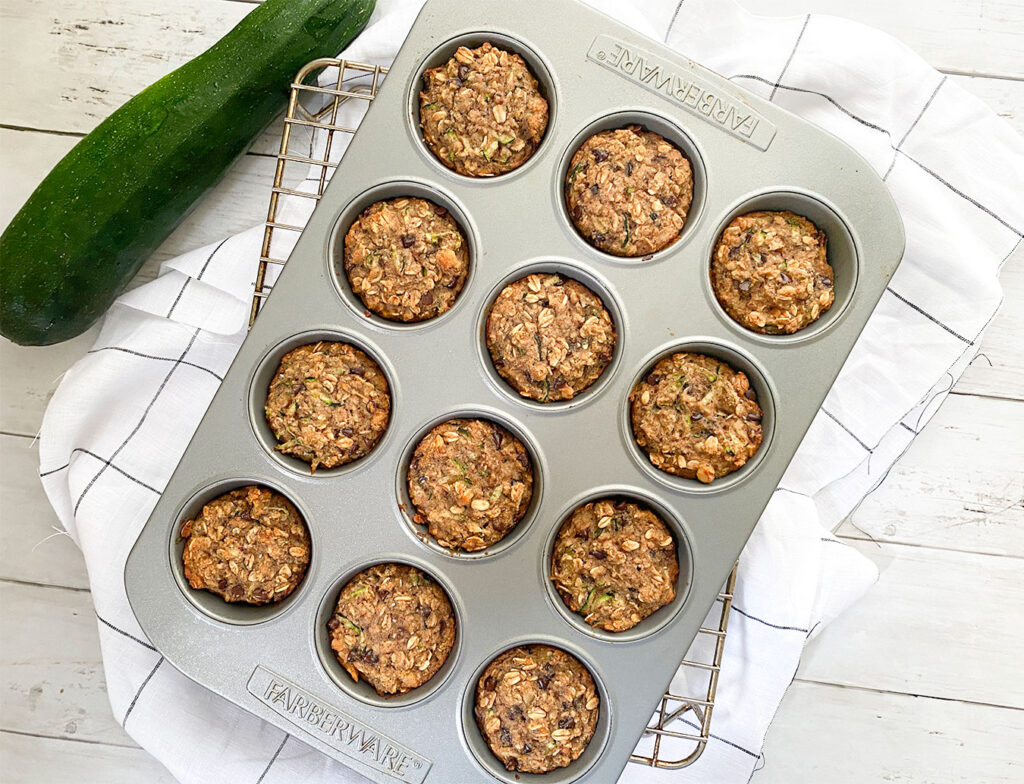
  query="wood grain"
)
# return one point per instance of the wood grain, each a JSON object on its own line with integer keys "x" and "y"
{"x": 835, "y": 735}
{"x": 26, "y": 758}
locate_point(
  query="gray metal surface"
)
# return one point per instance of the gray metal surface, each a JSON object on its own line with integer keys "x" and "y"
{"x": 747, "y": 154}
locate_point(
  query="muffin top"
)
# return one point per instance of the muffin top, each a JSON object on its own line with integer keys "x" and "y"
{"x": 482, "y": 112}
{"x": 328, "y": 404}
{"x": 537, "y": 708}
{"x": 550, "y": 337}
{"x": 249, "y": 545}
{"x": 406, "y": 259}
{"x": 628, "y": 191}
{"x": 470, "y": 481}
{"x": 696, "y": 417}
{"x": 393, "y": 626}
{"x": 614, "y": 562}
{"x": 770, "y": 272}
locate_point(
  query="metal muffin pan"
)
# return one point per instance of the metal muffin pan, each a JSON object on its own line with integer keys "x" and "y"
{"x": 747, "y": 154}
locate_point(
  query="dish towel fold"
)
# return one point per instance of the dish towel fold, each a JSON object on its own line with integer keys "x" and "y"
{"x": 123, "y": 415}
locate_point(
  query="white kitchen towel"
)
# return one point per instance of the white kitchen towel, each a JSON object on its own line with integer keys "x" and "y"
{"x": 123, "y": 415}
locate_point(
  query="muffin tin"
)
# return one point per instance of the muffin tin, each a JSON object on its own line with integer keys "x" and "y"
{"x": 275, "y": 661}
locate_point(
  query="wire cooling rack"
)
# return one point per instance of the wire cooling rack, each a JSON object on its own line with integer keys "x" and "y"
{"x": 320, "y": 119}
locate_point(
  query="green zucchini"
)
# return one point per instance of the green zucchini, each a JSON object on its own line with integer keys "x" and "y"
{"x": 115, "y": 197}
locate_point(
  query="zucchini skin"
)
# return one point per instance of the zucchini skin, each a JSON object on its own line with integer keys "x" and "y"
{"x": 102, "y": 211}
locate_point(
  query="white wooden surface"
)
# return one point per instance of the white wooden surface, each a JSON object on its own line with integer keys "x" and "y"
{"x": 919, "y": 682}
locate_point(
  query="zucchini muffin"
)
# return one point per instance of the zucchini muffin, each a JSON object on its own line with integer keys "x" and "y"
{"x": 628, "y": 191}
{"x": 696, "y": 417}
{"x": 249, "y": 545}
{"x": 482, "y": 112}
{"x": 406, "y": 259}
{"x": 393, "y": 626}
{"x": 770, "y": 272}
{"x": 470, "y": 481}
{"x": 328, "y": 404}
{"x": 550, "y": 337}
{"x": 614, "y": 562}
{"x": 537, "y": 708}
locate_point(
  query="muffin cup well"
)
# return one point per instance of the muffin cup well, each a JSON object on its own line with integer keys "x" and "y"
{"x": 408, "y": 509}
{"x": 361, "y": 690}
{"x": 842, "y": 255}
{"x": 210, "y": 604}
{"x": 259, "y": 385}
{"x": 737, "y": 359}
{"x": 664, "y": 615}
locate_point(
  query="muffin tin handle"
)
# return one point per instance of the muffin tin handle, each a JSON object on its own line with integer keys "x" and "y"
{"x": 360, "y": 81}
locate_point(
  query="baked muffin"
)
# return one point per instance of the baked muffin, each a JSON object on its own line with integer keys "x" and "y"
{"x": 470, "y": 482}
{"x": 249, "y": 546}
{"x": 406, "y": 259}
{"x": 614, "y": 562}
{"x": 482, "y": 112}
{"x": 696, "y": 417}
{"x": 328, "y": 404}
{"x": 550, "y": 337}
{"x": 770, "y": 272}
{"x": 629, "y": 191}
{"x": 393, "y": 626}
{"x": 537, "y": 708}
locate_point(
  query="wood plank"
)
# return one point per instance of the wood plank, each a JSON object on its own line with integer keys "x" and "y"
{"x": 32, "y": 546}
{"x": 90, "y": 56}
{"x": 25, "y": 759}
{"x": 53, "y": 677}
{"x": 936, "y": 624}
{"x": 977, "y": 38}
{"x": 846, "y": 736}
{"x": 952, "y": 489}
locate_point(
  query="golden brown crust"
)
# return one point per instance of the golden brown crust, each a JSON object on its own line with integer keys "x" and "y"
{"x": 393, "y": 626}
{"x": 770, "y": 272}
{"x": 696, "y": 417}
{"x": 629, "y": 191}
{"x": 482, "y": 112}
{"x": 406, "y": 259}
{"x": 614, "y": 562}
{"x": 537, "y": 708}
{"x": 249, "y": 545}
{"x": 328, "y": 404}
{"x": 471, "y": 482}
{"x": 550, "y": 337}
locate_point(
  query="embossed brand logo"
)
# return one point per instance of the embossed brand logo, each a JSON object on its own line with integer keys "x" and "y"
{"x": 683, "y": 89}
{"x": 333, "y": 727}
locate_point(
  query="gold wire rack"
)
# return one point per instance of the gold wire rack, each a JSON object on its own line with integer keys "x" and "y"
{"x": 313, "y": 123}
